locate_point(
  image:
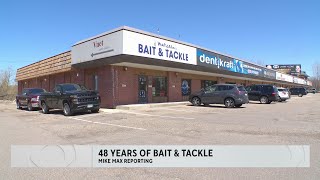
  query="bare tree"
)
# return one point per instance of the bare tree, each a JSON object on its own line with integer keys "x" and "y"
{"x": 316, "y": 75}
{"x": 8, "y": 87}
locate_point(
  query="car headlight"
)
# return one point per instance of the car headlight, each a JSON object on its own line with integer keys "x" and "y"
{"x": 73, "y": 96}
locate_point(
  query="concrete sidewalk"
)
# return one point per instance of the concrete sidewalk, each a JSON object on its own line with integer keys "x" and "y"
{"x": 150, "y": 105}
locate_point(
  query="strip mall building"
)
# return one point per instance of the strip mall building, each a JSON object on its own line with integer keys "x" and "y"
{"x": 129, "y": 66}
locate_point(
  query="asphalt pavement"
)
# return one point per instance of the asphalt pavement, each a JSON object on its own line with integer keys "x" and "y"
{"x": 295, "y": 122}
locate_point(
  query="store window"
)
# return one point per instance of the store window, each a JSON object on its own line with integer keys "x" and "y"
{"x": 159, "y": 86}
{"x": 186, "y": 87}
{"x": 207, "y": 83}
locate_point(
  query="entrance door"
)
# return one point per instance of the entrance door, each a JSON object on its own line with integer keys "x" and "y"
{"x": 142, "y": 89}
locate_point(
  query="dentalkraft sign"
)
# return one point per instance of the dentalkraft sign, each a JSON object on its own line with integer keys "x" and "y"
{"x": 214, "y": 60}
{"x": 147, "y": 46}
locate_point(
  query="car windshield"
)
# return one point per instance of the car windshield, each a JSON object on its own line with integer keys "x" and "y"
{"x": 72, "y": 87}
{"x": 36, "y": 91}
{"x": 281, "y": 90}
{"x": 241, "y": 88}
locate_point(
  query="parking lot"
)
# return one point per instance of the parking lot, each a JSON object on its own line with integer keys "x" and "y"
{"x": 295, "y": 122}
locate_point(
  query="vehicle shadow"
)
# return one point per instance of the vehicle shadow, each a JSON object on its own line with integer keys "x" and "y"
{"x": 257, "y": 102}
{"x": 60, "y": 112}
{"x": 215, "y": 106}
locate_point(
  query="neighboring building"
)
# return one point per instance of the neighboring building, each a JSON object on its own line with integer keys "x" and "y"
{"x": 303, "y": 75}
{"x": 129, "y": 66}
{"x": 291, "y": 69}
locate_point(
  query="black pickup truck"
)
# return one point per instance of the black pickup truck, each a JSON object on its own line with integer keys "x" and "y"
{"x": 70, "y": 98}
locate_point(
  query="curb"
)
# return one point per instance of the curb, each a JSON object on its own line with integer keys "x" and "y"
{"x": 150, "y": 105}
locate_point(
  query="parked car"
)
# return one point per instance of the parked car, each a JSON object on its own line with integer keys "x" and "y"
{"x": 230, "y": 95}
{"x": 70, "y": 98}
{"x": 264, "y": 93}
{"x": 312, "y": 90}
{"x": 29, "y": 98}
{"x": 300, "y": 91}
{"x": 283, "y": 94}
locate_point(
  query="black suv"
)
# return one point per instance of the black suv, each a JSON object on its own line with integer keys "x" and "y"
{"x": 300, "y": 91}
{"x": 264, "y": 93}
{"x": 230, "y": 95}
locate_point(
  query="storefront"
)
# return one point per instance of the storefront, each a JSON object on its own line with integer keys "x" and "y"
{"x": 129, "y": 66}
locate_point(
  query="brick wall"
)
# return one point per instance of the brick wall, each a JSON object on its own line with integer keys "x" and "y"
{"x": 118, "y": 85}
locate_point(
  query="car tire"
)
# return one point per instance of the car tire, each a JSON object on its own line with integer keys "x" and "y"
{"x": 95, "y": 110}
{"x": 18, "y": 105}
{"x": 229, "y": 103}
{"x": 29, "y": 106}
{"x": 264, "y": 99}
{"x": 67, "y": 110}
{"x": 238, "y": 105}
{"x": 269, "y": 102}
{"x": 45, "y": 108}
{"x": 196, "y": 101}
{"x": 300, "y": 95}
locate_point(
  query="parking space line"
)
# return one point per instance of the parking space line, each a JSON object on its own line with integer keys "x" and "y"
{"x": 116, "y": 125}
{"x": 90, "y": 115}
{"x": 190, "y": 111}
{"x": 171, "y": 117}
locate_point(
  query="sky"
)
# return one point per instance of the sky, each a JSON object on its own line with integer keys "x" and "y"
{"x": 269, "y": 31}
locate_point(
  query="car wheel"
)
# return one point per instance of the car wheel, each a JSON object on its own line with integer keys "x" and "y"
{"x": 269, "y": 102}
{"x": 196, "y": 101}
{"x": 45, "y": 108}
{"x": 67, "y": 110}
{"x": 229, "y": 103}
{"x": 95, "y": 110}
{"x": 264, "y": 99}
{"x": 238, "y": 105}
{"x": 30, "y": 108}
{"x": 18, "y": 105}
{"x": 300, "y": 95}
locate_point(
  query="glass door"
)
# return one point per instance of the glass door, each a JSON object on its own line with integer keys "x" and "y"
{"x": 142, "y": 89}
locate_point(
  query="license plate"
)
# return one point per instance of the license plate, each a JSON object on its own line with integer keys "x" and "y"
{"x": 89, "y": 105}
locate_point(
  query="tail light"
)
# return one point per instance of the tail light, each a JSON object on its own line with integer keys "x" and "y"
{"x": 34, "y": 98}
{"x": 273, "y": 94}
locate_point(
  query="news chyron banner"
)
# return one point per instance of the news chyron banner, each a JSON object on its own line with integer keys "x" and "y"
{"x": 110, "y": 156}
